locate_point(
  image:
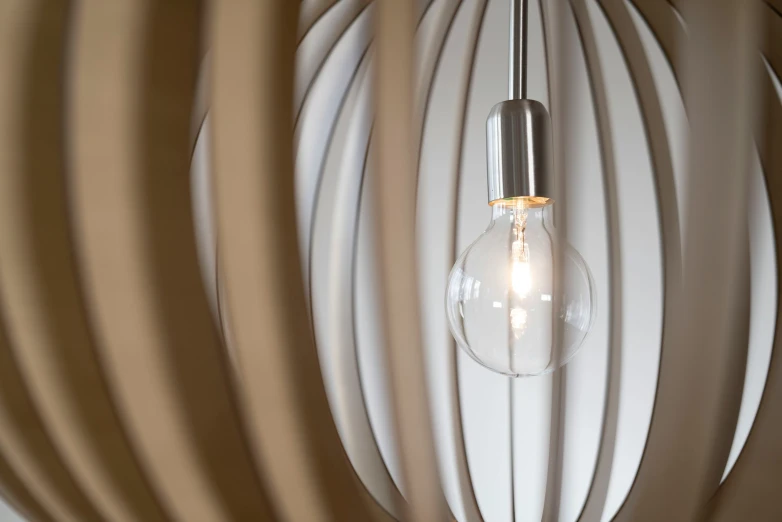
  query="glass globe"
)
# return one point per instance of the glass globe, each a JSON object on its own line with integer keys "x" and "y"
{"x": 501, "y": 295}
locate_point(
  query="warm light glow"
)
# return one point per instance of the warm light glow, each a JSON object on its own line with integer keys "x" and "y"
{"x": 521, "y": 278}
{"x": 521, "y": 283}
{"x": 521, "y": 323}
{"x": 522, "y": 202}
{"x": 520, "y": 272}
{"x": 518, "y": 318}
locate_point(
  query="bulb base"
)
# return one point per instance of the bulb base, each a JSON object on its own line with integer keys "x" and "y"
{"x": 519, "y": 153}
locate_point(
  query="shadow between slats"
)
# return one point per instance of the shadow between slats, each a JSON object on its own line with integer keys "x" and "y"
{"x": 131, "y": 97}
{"x": 395, "y": 198}
{"x": 68, "y": 418}
{"x": 292, "y": 434}
{"x": 16, "y": 496}
{"x": 710, "y": 391}
{"x": 470, "y": 505}
{"x": 749, "y": 491}
{"x": 598, "y": 490}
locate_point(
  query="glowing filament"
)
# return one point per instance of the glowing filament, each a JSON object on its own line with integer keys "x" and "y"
{"x": 521, "y": 275}
{"x": 518, "y": 318}
{"x": 521, "y": 278}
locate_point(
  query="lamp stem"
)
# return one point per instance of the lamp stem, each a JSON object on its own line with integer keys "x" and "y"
{"x": 519, "y": 42}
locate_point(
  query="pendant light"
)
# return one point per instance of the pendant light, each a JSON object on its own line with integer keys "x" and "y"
{"x": 506, "y": 302}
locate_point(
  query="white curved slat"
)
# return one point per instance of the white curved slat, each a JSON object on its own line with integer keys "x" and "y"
{"x": 763, "y": 304}
{"x": 461, "y": 167}
{"x": 322, "y": 24}
{"x": 310, "y": 13}
{"x": 315, "y": 127}
{"x": 334, "y": 73}
{"x": 667, "y": 28}
{"x": 642, "y": 242}
{"x": 662, "y": 18}
{"x": 574, "y": 441}
{"x": 750, "y": 489}
{"x": 649, "y": 102}
{"x": 201, "y": 189}
{"x": 317, "y": 47}
{"x": 291, "y": 430}
{"x": 559, "y": 74}
{"x": 634, "y": 114}
{"x": 430, "y": 53}
{"x": 598, "y": 490}
{"x": 650, "y": 106}
{"x": 438, "y": 173}
{"x": 762, "y": 254}
{"x": 586, "y": 377}
{"x": 367, "y": 317}
{"x": 702, "y": 364}
{"x": 369, "y": 341}
{"x": 334, "y": 226}
{"x": 395, "y": 200}
{"x": 203, "y": 214}
{"x": 531, "y": 398}
{"x": 337, "y": 196}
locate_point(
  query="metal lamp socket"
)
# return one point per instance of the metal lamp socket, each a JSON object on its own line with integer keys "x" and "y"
{"x": 519, "y": 152}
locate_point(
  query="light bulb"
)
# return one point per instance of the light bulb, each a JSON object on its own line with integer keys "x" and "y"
{"x": 501, "y": 294}
{"x": 505, "y": 306}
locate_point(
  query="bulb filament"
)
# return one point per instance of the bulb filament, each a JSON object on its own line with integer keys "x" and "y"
{"x": 521, "y": 275}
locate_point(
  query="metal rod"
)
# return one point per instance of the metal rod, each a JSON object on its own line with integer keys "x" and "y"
{"x": 519, "y": 42}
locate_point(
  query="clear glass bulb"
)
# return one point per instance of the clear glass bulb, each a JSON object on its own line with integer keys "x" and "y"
{"x": 500, "y": 297}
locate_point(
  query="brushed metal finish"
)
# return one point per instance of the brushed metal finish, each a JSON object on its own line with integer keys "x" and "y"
{"x": 518, "y": 151}
{"x": 519, "y": 43}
